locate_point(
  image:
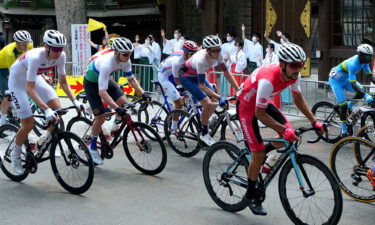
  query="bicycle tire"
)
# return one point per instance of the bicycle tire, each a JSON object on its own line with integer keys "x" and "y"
{"x": 365, "y": 122}
{"x": 320, "y": 112}
{"x": 239, "y": 201}
{"x": 352, "y": 189}
{"x": 140, "y": 129}
{"x": 74, "y": 161}
{"x": 191, "y": 133}
{"x": 285, "y": 189}
{"x": 6, "y": 142}
{"x": 150, "y": 118}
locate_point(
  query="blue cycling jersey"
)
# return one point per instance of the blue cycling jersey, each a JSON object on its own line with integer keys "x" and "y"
{"x": 349, "y": 68}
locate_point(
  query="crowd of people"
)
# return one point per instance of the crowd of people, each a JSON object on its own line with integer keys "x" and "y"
{"x": 184, "y": 67}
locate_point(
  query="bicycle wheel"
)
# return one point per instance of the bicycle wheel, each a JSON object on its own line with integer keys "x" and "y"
{"x": 154, "y": 115}
{"x": 227, "y": 135}
{"x": 73, "y": 175}
{"x": 222, "y": 177}
{"x": 347, "y": 163}
{"x": 8, "y": 134}
{"x": 185, "y": 141}
{"x": 322, "y": 203}
{"x": 146, "y": 154}
{"x": 325, "y": 111}
{"x": 368, "y": 119}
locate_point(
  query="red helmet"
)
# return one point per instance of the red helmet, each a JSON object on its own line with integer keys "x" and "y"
{"x": 190, "y": 46}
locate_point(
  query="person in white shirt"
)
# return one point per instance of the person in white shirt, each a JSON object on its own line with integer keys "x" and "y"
{"x": 157, "y": 54}
{"x": 284, "y": 39}
{"x": 238, "y": 65}
{"x": 146, "y": 54}
{"x": 253, "y": 50}
{"x": 173, "y": 45}
{"x": 229, "y": 48}
{"x": 271, "y": 57}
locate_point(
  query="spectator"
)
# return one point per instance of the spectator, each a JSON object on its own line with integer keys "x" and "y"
{"x": 2, "y": 41}
{"x": 238, "y": 64}
{"x": 104, "y": 44}
{"x": 146, "y": 54}
{"x": 284, "y": 38}
{"x": 271, "y": 57}
{"x": 253, "y": 50}
{"x": 228, "y": 48}
{"x": 170, "y": 46}
{"x": 157, "y": 54}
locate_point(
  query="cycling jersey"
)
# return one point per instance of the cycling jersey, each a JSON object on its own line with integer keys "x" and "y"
{"x": 9, "y": 54}
{"x": 168, "y": 69}
{"x": 100, "y": 69}
{"x": 265, "y": 82}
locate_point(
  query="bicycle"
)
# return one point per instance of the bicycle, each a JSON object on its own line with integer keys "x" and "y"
{"x": 225, "y": 176}
{"x": 138, "y": 147}
{"x": 329, "y": 114}
{"x": 350, "y": 159}
{"x": 72, "y": 149}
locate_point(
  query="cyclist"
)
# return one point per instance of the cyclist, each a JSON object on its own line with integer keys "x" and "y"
{"x": 343, "y": 77}
{"x": 24, "y": 82}
{"x": 193, "y": 78}
{"x": 8, "y": 55}
{"x": 254, "y": 103}
{"x": 168, "y": 75}
{"x": 98, "y": 86}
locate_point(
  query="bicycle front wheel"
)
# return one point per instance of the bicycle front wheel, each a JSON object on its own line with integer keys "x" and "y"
{"x": 320, "y": 202}
{"x": 69, "y": 170}
{"x": 144, "y": 148}
{"x": 226, "y": 181}
{"x": 325, "y": 111}
{"x": 350, "y": 160}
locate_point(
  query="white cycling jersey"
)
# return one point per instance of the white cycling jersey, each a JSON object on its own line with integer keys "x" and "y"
{"x": 199, "y": 63}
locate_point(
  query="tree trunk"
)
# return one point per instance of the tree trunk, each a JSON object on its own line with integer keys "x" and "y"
{"x": 69, "y": 12}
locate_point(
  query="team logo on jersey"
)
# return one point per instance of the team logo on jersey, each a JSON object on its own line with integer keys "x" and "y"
{"x": 263, "y": 100}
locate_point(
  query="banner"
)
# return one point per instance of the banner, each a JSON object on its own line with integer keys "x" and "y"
{"x": 81, "y": 48}
{"x": 95, "y": 25}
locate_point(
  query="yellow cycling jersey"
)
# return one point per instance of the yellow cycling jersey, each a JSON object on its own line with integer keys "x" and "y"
{"x": 8, "y": 55}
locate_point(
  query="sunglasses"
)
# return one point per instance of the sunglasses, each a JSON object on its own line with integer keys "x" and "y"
{"x": 57, "y": 49}
{"x": 215, "y": 50}
{"x": 125, "y": 54}
{"x": 296, "y": 65}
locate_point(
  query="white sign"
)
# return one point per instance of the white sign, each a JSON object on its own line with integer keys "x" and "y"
{"x": 81, "y": 48}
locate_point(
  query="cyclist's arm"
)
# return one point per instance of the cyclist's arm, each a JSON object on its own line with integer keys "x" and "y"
{"x": 302, "y": 106}
{"x": 62, "y": 78}
{"x": 356, "y": 85}
{"x": 176, "y": 66}
{"x": 204, "y": 88}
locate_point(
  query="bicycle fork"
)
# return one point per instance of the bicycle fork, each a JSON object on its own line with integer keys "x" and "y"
{"x": 298, "y": 168}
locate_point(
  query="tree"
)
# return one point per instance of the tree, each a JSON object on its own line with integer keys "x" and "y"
{"x": 69, "y": 12}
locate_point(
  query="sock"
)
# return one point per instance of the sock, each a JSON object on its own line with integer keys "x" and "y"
{"x": 204, "y": 130}
{"x": 93, "y": 142}
{"x": 344, "y": 127}
{"x": 250, "y": 189}
{"x": 174, "y": 125}
{"x": 17, "y": 150}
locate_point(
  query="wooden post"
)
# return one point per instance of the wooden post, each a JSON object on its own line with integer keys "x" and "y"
{"x": 209, "y": 18}
{"x": 324, "y": 38}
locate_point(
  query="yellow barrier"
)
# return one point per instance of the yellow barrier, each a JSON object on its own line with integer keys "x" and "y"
{"x": 76, "y": 84}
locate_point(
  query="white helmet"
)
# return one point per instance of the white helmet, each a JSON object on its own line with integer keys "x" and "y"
{"x": 365, "y": 49}
{"x": 54, "y": 38}
{"x": 22, "y": 36}
{"x": 291, "y": 53}
{"x": 211, "y": 41}
{"x": 122, "y": 45}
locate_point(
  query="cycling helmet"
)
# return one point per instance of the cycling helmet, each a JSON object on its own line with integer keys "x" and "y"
{"x": 110, "y": 42}
{"x": 122, "y": 45}
{"x": 190, "y": 46}
{"x": 211, "y": 41}
{"x": 291, "y": 53}
{"x": 22, "y": 36}
{"x": 365, "y": 49}
{"x": 54, "y": 38}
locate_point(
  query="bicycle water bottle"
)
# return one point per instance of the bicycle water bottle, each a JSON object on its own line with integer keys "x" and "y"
{"x": 270, "y": 162}
{"x": 115, "y": 126}
{"x": 33, "y": 143}
{"x": 107, "y": 133}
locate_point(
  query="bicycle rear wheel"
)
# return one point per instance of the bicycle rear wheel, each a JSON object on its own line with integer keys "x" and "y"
{"x": 154, "y": 115}
{"x": 350, "y": 160}
{"x": 323, "y": 202}
{"x": 8, "y": 134}
{"x": 325, "y": 111}
{"x": 144, "y": 148}
{"x": 73, "y": 175}
{"x": 185, "y": 141}
{"x": 226, "y": 183}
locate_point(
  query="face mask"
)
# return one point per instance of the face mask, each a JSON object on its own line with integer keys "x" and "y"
{"x": 147, "y": 42}
{"x": 254, "y": 39}
{"x": 229, "y": 39}
{"x": 282, "y": 41}
{"x": 268, "y": 50}
{"x": 175, "y": 36}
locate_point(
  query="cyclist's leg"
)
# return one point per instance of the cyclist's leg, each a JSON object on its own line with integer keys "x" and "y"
{"x": 118, "y": 96}
{"x": 3, "y": 88}
{"x": 338, "y": 88}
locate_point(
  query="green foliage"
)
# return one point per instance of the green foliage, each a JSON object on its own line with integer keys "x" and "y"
{"x": 10, "y": 3}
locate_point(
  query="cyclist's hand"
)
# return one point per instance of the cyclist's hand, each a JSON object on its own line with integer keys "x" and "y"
{"x": 368, "y": 98}
{"x": 319, "y": 126}
{"x": 290, "y": 135}
{"x": 79, "y": 106}
{"x": 50, "y": 114}
{"x": 146, "y": 97}
{"x": 120, "y": 111}
{"x": 223, "y": 102}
